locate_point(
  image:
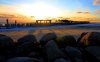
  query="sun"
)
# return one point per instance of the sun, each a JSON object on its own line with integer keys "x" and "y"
{"x": 39, "y": 10}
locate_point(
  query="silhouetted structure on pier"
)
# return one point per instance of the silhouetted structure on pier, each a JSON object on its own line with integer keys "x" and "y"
{"x": 43, "y": 21}
{"x": 73, "y": 22}
{"x": 7, "y": 23}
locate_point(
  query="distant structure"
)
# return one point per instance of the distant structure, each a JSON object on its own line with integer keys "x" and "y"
{"x": 43, "y": 21}
{"x": 7, "y": 23}
{"x": 15, "y": 23}
{"x": 73, "y": 22}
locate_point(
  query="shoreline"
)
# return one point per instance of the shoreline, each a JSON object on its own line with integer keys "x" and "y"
{"x": 91, "y": 26}
{"x": 74, "y": 30}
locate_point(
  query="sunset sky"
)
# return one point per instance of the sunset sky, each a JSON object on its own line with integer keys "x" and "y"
{"x": 41, "y": 9}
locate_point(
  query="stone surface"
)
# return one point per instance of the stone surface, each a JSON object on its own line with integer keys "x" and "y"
{"x": 74, "y": 53}
{"x": 53, "y": 52}
{"x": 47, "y": 37}
{"x": 23, "y": 59}
{"x": 6, "y": 45}
{"x": 26, "y": 45}
{"x": 66, "y": 40}
{"x": 94, "y": 50}
{"x": 90, "y": 39}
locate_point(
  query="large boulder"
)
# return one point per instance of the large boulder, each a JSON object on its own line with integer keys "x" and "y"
{"x": 2, "y": 59}
{"x": 27, "y": 38}
{"x": 94, "y": 50}
{"x": 6, "y": 45}
{"x": 5, "y": 40}
{"x": 52, "y": 51}
{"x": 66, "y": 40}
{"x": 23, "y": 59}
{"x": 74, "y": 54}
{"x": 94, "y": 38}
{"x": 26, "y": 45}
{"x": 61, "y": 60}
{"x": 89, "y": 39}
{"x": 35, "y": 55}
{"x": 47, "y": 37}
{"x": 83, "y": 34}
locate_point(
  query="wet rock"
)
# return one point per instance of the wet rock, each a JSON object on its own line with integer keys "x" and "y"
{"x": 26, "y": 45}
{"x": 2, "y": 59}
{"x": 34, "y": 55}
{"x": 61, "y": 60}
{"x": 27, "y": 38}
{"x": 94, "y": 38}
{"x": 67, "y": 40}
{"x": 53, "y": 52}
{"x": 6, "y": 45}
{"x": 5, "y": 40}
{"x": 94, "y": 50}
{"x": 84, "y": 33}
{"x": 74, "y": 54}
{"x": 47, "y": 37}
{"x": 90, "y": 39}
{"x": 23, "y": 59}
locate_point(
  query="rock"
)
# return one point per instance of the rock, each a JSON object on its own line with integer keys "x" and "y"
{"x": 94, "y": 50}
{"x": 34, "y": 55}
{"x": 80, "y": 44}
{"x": 84, "y": 33}
{"x": 5, "y": 41}
{"x": 66, "y": 40}
{"x": 53, "y": 52}
{"x": 47, "y": 37}
{"x": 6, "y": 45}
{"x": 26, "y": 45}
{"x": 74, "y": 53}
{"x": 27, "y": 38}
{"x": 90, "y": 39}
{"x": 61, "y": 60}
{"x": 94, "y": 38}
{"x": 23, "y": 59}
{"x": 2, "y": 59}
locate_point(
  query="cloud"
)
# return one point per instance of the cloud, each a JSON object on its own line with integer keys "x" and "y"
{"x": 96, "y": 2}
{"x": 83, "y": 12}
{"x": 7, "y": 9}
{"x": 97, "y": 11}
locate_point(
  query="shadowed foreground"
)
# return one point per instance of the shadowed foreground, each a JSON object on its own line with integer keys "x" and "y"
{"x": 51, "y": 48}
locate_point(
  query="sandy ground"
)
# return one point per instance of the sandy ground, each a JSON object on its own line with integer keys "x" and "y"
{"x": 60, "y": 31}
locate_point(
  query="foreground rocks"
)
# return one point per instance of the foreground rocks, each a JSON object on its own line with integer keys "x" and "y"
{"x": 47, "y": 37}
{"x": 6, "y": 47}
{"x": 51, "y": 48}
{"x": 26, "y": 45}
{"x": 66, "y": 40}
{"x": 89, "y": 39}
{"x": 23, "y": 59}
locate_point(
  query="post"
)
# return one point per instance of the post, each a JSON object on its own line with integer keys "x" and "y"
{"x": 7, "y": 23}
{"x": 15, "y": 23}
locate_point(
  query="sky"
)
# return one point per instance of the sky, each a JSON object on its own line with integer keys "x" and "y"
{"x": 40, "y": 9}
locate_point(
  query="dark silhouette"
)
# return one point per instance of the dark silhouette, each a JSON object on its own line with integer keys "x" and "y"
{"x": 26, "y": 45}
{"x": 66, "y": 40}
{"x": 89, "y": 39}
{"x": 51, "y": 48}
{"x": 15, "y": 23}
{"x": 47, "y": 37}
{"x": 23, "y": 59}
{"x": 7, "y": 23}
{"x": 6, "y": 47}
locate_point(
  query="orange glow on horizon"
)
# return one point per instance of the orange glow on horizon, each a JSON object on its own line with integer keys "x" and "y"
{"x": 41, "y": 10}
